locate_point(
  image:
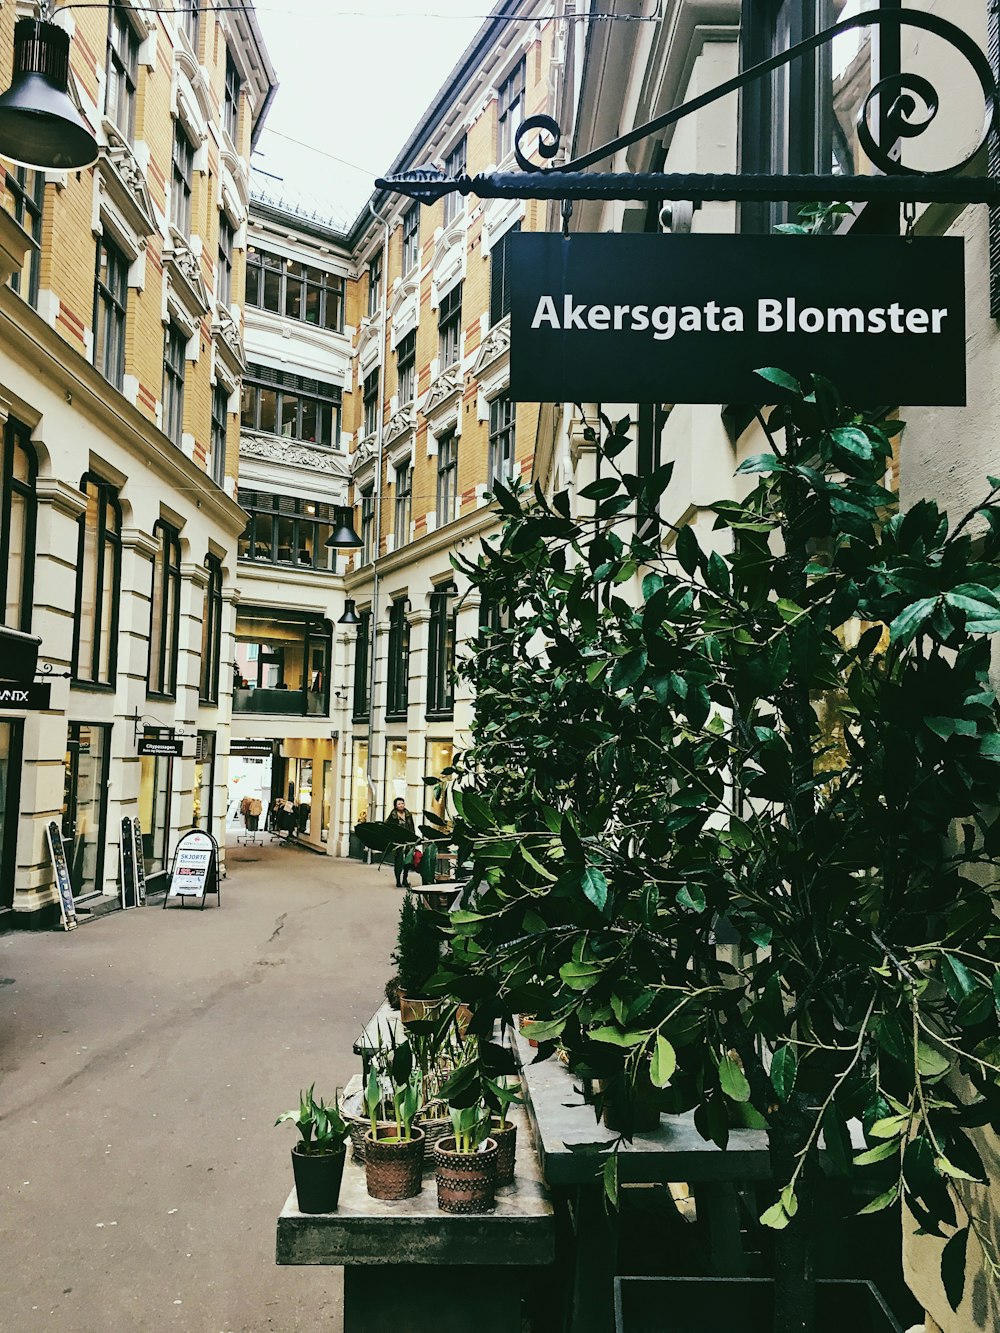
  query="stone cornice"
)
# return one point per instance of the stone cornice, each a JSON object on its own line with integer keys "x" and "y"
{"x": 65, "y": 499}
{"x": 63, "y": 370}
{"x": 134, "y": 539}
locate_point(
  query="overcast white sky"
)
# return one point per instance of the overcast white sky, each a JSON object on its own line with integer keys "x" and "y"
{"x": 355, "y": 76}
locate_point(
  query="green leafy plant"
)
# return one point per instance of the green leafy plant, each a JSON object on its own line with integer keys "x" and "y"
{"x": 784, "y": 735}
{"x": 471, "y": 1126}
{"x": 393, "y": 1088}
{"x": 418, "y": 947}
{"x": 500, "y": 1095}
{"x": 322, "y": 1128}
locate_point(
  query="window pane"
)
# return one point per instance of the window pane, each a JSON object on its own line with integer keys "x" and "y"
{"x": 88, "y": 585}
{"x": 311, "y": 312}
{"x": 248, "y": 406}
{"x": 293, "y": 290}
{"x": 289, "y": 414}
{"x": 286, "y": 539}
{"x": 268, "y": 410}
{"x": 272, "y": 290}
{"x": 310, "y": 420}
{"x": 107, "y": 615}
{"x": 15, "y": 557}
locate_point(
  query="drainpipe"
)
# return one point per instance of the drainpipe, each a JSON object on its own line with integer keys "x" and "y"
{"x": 377, "y": 517}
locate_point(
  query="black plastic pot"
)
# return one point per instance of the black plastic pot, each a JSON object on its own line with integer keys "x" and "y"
{"x": 317, "y": 1179}
{"x": 740, "y": 1305}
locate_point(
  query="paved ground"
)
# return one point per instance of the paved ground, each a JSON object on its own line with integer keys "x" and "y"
{"x": 143, "y": 1060}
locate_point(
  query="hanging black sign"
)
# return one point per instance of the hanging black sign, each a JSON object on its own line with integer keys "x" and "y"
{"x": 30, "y": 697}
{"x": 252, "y": 749}
{"x": 688, "y": 319}
{"x": 168, "y": 746}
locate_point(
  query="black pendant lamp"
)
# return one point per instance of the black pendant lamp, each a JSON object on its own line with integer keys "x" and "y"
{"x": 343, "y": 537}
{"x": 39, "y": 123}
{"x": 350, "y": 616}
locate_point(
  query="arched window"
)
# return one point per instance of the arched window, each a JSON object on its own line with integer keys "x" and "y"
{"x": 98, "y": 584}
{"x": 18, "y": 506}
{"x": 211, "y": 632}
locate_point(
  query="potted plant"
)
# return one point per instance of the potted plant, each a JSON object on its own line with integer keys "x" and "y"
{"x": 318, "y": 1159}
{"x": 741, "y": 824}
{"x": 500, "y": 1095}
{"x": 394, "y": 1153}
{"x": 416, "y": 957}
{"x": 467, "y": 1163}
{"x": 437, "y": 1047}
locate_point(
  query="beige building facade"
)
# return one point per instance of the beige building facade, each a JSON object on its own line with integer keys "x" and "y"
{"x": 120, "y": 364}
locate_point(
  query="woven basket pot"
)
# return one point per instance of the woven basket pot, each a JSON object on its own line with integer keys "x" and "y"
{"x": 434, "y": 1131}
{"x": 506, "y": 1140}
{"x": 393, "y": 1169}
{"x": 466, "y": 1182}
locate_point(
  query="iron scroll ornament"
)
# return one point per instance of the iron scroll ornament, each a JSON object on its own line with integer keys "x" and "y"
{"x": 913, "y": 104}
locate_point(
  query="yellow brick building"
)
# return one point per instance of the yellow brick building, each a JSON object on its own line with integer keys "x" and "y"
{"x": 120, "y": 364}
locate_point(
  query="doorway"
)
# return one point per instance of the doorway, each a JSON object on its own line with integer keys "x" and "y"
{"x": 10, "y": 791}
{"x": 85, "y": 805}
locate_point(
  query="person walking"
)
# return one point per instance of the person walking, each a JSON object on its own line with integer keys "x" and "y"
{"x": 402, "y": 821}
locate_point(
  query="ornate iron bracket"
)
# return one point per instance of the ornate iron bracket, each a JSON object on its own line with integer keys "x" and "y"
{"x": 911, "y": 103}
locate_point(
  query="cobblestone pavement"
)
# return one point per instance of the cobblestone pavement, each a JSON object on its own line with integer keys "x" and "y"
{"x": 143, "y": 1060}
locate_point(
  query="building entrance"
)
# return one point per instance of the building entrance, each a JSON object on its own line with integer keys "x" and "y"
{"x": 85, "y": 805}
{"x": 10, "y": 789}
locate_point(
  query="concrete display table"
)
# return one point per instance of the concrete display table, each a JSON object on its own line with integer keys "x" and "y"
{"x": 409, "y": 1267}
{"x": 675, "y": 1152}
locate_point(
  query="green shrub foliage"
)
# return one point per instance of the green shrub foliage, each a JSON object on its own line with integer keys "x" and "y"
{"x": 739, "y": 833}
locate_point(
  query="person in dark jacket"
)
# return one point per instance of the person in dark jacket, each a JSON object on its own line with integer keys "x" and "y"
{"x": 400, "y": 816}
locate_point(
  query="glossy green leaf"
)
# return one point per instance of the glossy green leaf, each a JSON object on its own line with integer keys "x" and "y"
{"x": 732, "y": 1080}
{"x": 663, "y": 1063}
{"x": 595, "y": 886}
{"x": 953, "y": 1265}
{"x": 784, "y": 1068}
{"x": 883, "y": 1201}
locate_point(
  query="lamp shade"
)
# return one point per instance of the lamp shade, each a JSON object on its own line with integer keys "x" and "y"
{"x": 343, "y": 537}
{"x": 350, "y": 616}
{"x": 18, "y": 655}
{"x": 39, "y": 124}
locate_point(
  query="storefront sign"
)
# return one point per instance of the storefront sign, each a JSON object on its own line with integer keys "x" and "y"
{"x": 25, "y": 696}
{"x": 168, "y": 747}
{"x": 689, "y": 319}
{"x": 57, "y": 853}
{"x": 252, "y": 749}
{"x": 195, "y": 869}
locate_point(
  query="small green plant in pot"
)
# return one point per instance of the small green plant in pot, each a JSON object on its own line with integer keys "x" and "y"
{"x": 467, "y": 1163}
{"x": 394, "y": 1153}
{"x": 318, "y": 1158}
{"x": 418, "y": 949}
{"x": 500, "y": 1095}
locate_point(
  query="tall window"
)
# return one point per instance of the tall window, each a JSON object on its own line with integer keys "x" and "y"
{"x": 173, "y": 383}
{"x": 17, "y": 525}
{"x": 181, "y": 181}
{"x": 26, "y": 193}
{"x": 110, "y": 306}
{"x": 406, "y": 366}
{"x": 447, "y": 478}
{"x": 164, "y": 608}
{"x": 367, "y": 525}
{"x": 224, "y": 277}
{"x": 295, "y": 290}
{"x": 404, "y": 501}
{"x": 375, "y": 284}
{"x": 500, "y": 276}
{"x": 510, "y": 111}
{"x": 411, "y": 237}
{"x": 398, "y": 648}
{"x": 287, "y": 530}
{"x": 500, "y": 463}
{"x": 188, "y": 13}
{"x": 450, "y": 326}
{"x": 98, "y": 584}
{"x": 362, "y": 700}
{"x": 278, "y": 402}
{"x": 211, "y": 633}
{"x": 123, "y": 72}
{"x": 370, "y": 398}
{"x": 441, "y": 653}
{"x": 231, "y": 106}
{"x": 220, "y": 432}
{"x": 454, "y": 166}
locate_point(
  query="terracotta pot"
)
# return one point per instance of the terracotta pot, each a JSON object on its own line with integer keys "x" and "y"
{"x": 393, "y": 1167}
{"x": 317, "y": 1178}
{"x": 506, "y": 1150}
{"x": 359, "y": 1127}
{"x": 413, "y": 1010}
{"x": 435, "y": 1129}
{"x": 466, "y": 1182}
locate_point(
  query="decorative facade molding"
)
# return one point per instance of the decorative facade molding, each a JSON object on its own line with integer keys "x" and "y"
{"x": 123, "y": 181}
{"x": 444, "y": 390}
{"x": 184, "y": 268}
{"x": 292, "y": 453}
{"x": 495, "y": 345}
{"x": 229, "y": 341}
{"x": 400, "y": 422}
{"x": 448, "y": 262}
{"x": 404, "y": 307}
{"x": 369, "y": 346}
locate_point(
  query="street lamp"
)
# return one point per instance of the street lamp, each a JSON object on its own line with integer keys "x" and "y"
{"x": 39, "y": 124}
{"x": 343, "y": 537}
{"x": 350, "y": 616}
